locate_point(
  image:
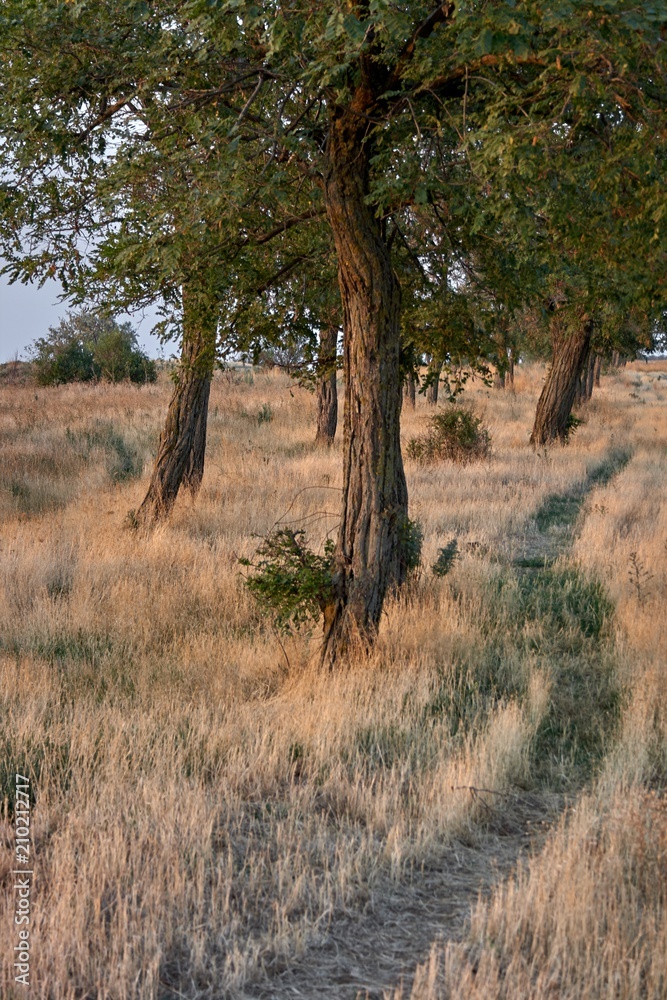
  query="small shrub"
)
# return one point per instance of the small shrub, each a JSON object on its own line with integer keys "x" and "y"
{"x": 455, "y": 434}
{"x": 411, "y": 535}
{"x": 291, "y": 583}
{"x": 265, "y": 415}
{"x": 446, "y": 558}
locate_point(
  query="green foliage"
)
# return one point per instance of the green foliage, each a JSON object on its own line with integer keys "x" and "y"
{"x": 291, "y": 583}
{"x": 411, "y": 537}
{"x": 58, "y": 363}
{"x": 446, "y": 558}
{"x": 456, "y": 435}
{"x": 265, "y": 415}
{"x": 571, "y": 425}
{"x": 85, "y": 347}
{"x": 118, "y": 357}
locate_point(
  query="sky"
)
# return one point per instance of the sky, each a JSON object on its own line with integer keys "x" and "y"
{"x": 27, "y": 312}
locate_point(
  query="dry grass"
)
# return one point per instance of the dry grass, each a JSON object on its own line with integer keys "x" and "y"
{"x": 209, "y": 808}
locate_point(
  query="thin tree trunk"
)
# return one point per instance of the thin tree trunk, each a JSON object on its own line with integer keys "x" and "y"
{"x": 410, "y": 391}
{"x": 434, "y": 369}
{"x": 327, "y": 393}
{"x": 590, "y": 376}
{"x": 180, "y": 457}
{"x": 510, "y": 370}
{"x": 598, "y": 370}
{"x": 554, "y": 407}
{"x": 369, "y": 555}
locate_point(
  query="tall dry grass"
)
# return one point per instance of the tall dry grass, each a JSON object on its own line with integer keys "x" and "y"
{"x": 207, "y": 803}
{"x": 586, "y": 916}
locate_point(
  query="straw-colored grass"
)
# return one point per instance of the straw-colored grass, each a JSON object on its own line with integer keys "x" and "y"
{"x": 210, "y": 808}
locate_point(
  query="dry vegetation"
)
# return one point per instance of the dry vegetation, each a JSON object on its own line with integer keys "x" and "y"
{"x": 211, "y": 810}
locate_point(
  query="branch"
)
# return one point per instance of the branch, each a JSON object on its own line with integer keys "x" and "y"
{"x": 286, "y": 269}
{"x": 107, "y": 112}
{"x": 459, "y": 73}
{"x": 288, "y": 224}
{"x": 442, "y": 13}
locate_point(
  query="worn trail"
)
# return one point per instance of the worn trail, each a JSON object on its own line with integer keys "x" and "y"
{"x": 372, "y": 953}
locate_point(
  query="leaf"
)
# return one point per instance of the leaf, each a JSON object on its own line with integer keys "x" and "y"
{"x": 485, "y": 42}
{"x": 354, "y": 29}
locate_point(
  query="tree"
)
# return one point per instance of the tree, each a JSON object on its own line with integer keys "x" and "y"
{"x": 282, "y": 114}
{"x": 86, "y": 346}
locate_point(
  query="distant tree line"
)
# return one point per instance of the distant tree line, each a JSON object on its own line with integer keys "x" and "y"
{"x": 87, "y": 347}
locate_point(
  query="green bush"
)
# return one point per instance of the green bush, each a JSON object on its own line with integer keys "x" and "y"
{"x": 446, "y": 558}
{"x": 411, "y": 537}
{"x": 291, "y": 583}
{"x": 67, "y": 362}
{"x": 85, "y": 347}
{"x": 455, "y": 434}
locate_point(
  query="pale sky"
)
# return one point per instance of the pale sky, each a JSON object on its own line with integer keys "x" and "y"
{"x": 27, "y": 312}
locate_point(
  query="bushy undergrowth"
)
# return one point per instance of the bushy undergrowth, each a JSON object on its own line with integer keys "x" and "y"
{"x": 291, "y": 583}
{"x": 86, "y": 348}
{"x": 456, "y": 434}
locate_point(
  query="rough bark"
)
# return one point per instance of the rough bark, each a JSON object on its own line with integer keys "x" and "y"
{"x": 327, "y": 393}
{"x": 194, "y": 467}
{"x": 369, "y": 556}
{"x": 434, "y": 368}
{"x": 410, "y": 391}
{"x": 180, "y": 457}
{"x": 570, "y": 355}
{"x": 598, "y": 370}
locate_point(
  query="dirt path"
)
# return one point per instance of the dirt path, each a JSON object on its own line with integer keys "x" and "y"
{"x": 370, "y": 954}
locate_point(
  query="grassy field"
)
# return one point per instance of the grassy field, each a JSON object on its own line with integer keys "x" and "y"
{"x": 214, "y": 817}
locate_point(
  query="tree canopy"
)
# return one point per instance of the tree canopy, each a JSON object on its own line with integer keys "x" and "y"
{"x": 147, "y": 147}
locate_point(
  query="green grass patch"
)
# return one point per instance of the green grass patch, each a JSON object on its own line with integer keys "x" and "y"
{"x": 560, "y": 510}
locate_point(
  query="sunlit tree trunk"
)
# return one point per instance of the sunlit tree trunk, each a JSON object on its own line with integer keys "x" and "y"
{"x": 180, "y": 457}
{"x": 327, "y": 393}
{"x": 570, "y": 354}
{"x": 369, "y": 556}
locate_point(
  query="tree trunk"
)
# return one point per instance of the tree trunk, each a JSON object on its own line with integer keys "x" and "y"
{"x": 410, "y": 390}
{"x": 327, "y": 393}
{"x": 180, "y": 457}
{"x": 570, "y": 355}
{"x": 590, "y": 375}
{"x": 580, "y": 389}
{"x": 194, "y": 468}
{"x": 509, "y": 381}
{"x": 598, "y": 370}
{"x": 369, "y": 556}
{"x": 434, "y": 369}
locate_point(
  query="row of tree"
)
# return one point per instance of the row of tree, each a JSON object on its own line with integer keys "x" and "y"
{"x": 453, "y": 165}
